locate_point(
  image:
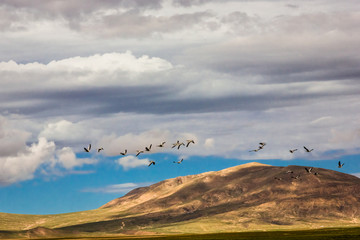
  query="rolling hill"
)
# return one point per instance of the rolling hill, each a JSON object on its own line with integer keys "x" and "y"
{"x": 247, "y": 197}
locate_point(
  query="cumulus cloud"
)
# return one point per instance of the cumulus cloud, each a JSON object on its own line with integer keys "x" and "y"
{"x": 12, "y": 141}
{"x": 41, "y": 156}
{"x": 117, "y": 188}
{"x": 57, "y": 84}
{"x": 23, "y": 166}
{"x": 21, "y": 161}
{"x": 128, "y": 162}
{"x": 232, "y": 75}
{"x": 209, "y": 143}
{"x": 67, "y": 158}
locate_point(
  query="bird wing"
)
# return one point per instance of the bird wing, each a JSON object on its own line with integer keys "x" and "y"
{"x": 306, "y": 149}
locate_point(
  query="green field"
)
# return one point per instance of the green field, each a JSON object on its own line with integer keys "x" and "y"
{"x": 325, "y": 234}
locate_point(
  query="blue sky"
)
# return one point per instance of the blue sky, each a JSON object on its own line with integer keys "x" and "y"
{"x": 127, "y": 74}
{"x": 77, "y": 192}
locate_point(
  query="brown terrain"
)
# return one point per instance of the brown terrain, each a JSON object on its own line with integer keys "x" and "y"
{"x": 242, "y": 198}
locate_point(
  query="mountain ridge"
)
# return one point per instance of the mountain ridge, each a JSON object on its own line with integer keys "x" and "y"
{"x": 246, "y": 197}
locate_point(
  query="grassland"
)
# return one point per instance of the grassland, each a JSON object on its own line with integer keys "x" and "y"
{"x": 318, "y": 234}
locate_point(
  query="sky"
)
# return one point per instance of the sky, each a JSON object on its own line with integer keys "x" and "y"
{"x": 123, "y": 74}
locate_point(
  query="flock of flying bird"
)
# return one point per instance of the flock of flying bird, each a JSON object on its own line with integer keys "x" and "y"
{"x": 177, "y": 145}
{"x": 308, "y": 170}
{"x": 262, "y": 145}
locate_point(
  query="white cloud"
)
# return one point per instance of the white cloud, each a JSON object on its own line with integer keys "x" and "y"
{"x": 248, "y": 73}
{"x": 117, "y": 188}
{"x": 95, "y": 70}
{"x": 12, "y": 141}
{"x": 20, "y": 161}
{"x": 209, "y": 143}
{"x": 130, "y": 161}
{"x": 23, "y": 166}
{"x": 67, "y": 158}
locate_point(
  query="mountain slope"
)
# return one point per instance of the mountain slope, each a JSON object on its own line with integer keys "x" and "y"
{"x": 245, "y": 197}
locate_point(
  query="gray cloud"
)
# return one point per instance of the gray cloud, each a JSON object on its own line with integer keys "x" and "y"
{"x": 229, "y": 75}
{"x": 134, "y": 24}
{"x": 75, "y": 9}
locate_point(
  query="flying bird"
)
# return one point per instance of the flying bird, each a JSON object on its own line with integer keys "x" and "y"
{"x": 124, "y": 153}
{"x": 148, "y": 148}
{"x": 87, "y": 149}
{"x": 161, "y": 144}
{"x": 340, "y": 165}
{"x": 138, "y": 152}
{"x": 262, "y": 144}
{"x": 307, "y": 150}
{"x": 308, "y": 169}
{"x": 151, "y": 162}
{"x": 292, "y": 150}
{"x": 178, "y": 162}
{"x": 100, "y": 149}
{"x": 180, "y": 144}
{"x": 188, "y": 142}
{"x": 290, "y": 171}
{"x": 255, "y": 150}
{"x": 175, "y": 144}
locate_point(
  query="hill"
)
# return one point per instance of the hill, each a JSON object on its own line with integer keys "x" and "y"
{"x": 242, "y": 198}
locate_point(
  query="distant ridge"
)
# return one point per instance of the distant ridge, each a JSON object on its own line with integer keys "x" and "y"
{"x": 246, "y": 197}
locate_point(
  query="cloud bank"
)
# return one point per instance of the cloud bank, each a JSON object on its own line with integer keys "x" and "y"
{"x": 126, "y": 74}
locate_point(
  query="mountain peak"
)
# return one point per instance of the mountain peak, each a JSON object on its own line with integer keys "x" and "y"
{"x": 250, "y": 196}
{"x": 257, "y": 192}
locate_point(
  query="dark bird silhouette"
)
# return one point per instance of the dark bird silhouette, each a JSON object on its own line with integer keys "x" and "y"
{"x": 148, "y": 148}
{"x": 161, "y": 144}
{"x": 255, "y": 150}
{"x": 307, "y": 150}
{"x": 340, "y": 165}
{"x": 124, "y": 153}
{"x": 262, "y": 144}
{"x": 308, "y": 170}
{"x": 178, "y": 162}
{"x": 316, "y": 173}
{"x": 138, "y": 152}
{"x": 188, "y": 142}
{"x": 180, "y": 144}
{"x": 150, "y": 163}
{"x": 292, "y": 150}
{"x": 100, "y": 149}
{"x": 175, "y": 144}
{"x": 87, "y": 149}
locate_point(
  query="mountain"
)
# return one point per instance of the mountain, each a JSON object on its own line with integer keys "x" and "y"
{"x": 252, "y": 196}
